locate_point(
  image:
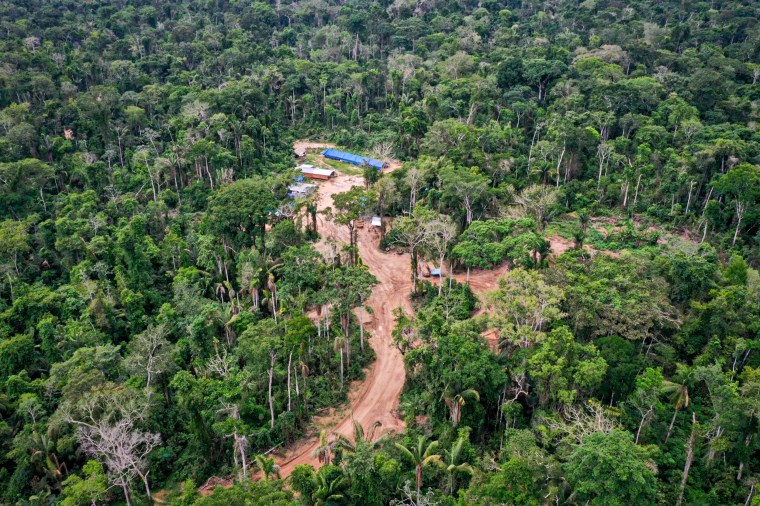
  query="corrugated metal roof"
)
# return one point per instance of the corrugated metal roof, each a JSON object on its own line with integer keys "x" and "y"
{"x": 376, "y": 221}
{"x": 310, "y": 169}
{"x": 344, "y": 156}
{"x": 302, "y": 188}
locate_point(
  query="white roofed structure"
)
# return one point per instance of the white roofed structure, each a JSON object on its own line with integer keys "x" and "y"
{"x": 313, "y": 172}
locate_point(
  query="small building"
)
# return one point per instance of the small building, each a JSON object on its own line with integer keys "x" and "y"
{"x": 313, "y": 172}
{"x": 301, "y": 190}
{"x": 436, "y": 273}
{"x": 377, "y": 221}
{"x": 343, "y": 156}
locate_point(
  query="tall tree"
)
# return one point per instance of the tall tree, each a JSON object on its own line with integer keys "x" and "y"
{"x": 611, "y": 469}
{"x": 350, "y": 207}
{"x": 421, "y": 455}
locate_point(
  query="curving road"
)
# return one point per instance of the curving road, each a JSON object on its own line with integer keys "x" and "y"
{"x": 376, "y": 397}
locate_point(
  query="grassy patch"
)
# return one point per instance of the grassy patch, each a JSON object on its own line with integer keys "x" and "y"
{"x": 342, "y": 167}
{"x": 345, "y": 168}
{"x": 564, "y": 226}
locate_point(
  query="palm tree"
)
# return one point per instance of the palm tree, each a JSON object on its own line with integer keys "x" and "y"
{"x": 421, "y": 456}
{"x": 453, "y": 464}
{"x": 678, "y": 394}
{"x": 455, "y": 401}
{"x": 323, "y": 451}
{"x": 267, "y": 466}
{"x": 44, "y": 457}
{"x": 329, "y": 491}
{"x": 360, "y": 437}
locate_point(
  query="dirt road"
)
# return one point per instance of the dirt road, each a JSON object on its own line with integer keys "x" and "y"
{"x": 376, "y": 397}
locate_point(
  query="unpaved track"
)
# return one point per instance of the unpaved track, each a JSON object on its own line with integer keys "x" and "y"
{"x": 376, "y": 397}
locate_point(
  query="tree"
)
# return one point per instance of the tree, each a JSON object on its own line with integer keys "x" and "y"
{"x": 150, "y": 355}
{"x": 22, "y": 181}
{"x": 324, "y": 450}
{"x": 453, "y": 463}
{"x": 439, "y": 233}
{"x": 107, "y": 423}
{"x": 467, "y": 189}
{"x": 387, "y": 196}
{"x": 563, "y": 368}
{"x": 88, "y": 490}
{"x": 482, "y": 245}
{"x": 351, "y": 206}
{"x": 303, "y": 480}
{"x": 607, "y": 296}
{"x": 235, "y": 427}
{"x": 540, "y": 72}
{"x": 421, "y": 455}
{"x": 348, "y": 288}
{"x": 267, "y": 466}
{"x": 361, "y": 437}
{"x": 525, "y": 305}
{"x": 261, "y": 343}
{"x": 411, "y": 233}
{"x": 330, "y": 489}
{"x": 689, "y": 458}
{"x": 14, "y": 242}
{"x": 610, "y": 469}
{"x": 301, "y": 274}
{"x": 456, "y": 400}
{"x": 743, "y": 184}
{"x": 536, "y": 202}
{"x": 239, "y": 212}
{"x": 646, "y": 396}
{"x": 256, "y": 493}
{"x": 678, "y": 396}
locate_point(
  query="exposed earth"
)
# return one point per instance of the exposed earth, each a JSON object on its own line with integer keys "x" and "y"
{"x": 376, "y": 397}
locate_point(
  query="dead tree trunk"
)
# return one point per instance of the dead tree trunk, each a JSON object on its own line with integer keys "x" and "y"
{"x": 272, "y": 358}
{"x": 689, "y": 458}
{"x": 290, "y": 360}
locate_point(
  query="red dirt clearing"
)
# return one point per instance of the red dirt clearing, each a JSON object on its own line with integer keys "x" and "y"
{"x": 376, "y": 397}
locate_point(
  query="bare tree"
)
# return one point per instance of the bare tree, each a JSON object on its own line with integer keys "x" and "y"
{"x": 272, "y": 362}
{"x": 411, "y": 234}
{"x": 221, "y": 364}
{"x": 414, "y": 180}
{"x": 603, "y": 153}
{"x": 32, "y": 43}
{"x": 689, "y": 458}
{"x": 439, "y": 232}
{"x": 150, "y": 354}
{"x": 383, "y": 150}
{"x": 534, "y": 201}
{"x": 107, "y": 431}
{"x": 240, "y": 441}
{"x": 582, "y": 421}
{"x": 387, "y": 196}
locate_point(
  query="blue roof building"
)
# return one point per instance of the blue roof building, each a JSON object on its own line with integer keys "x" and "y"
{"x": 343, "y": 156}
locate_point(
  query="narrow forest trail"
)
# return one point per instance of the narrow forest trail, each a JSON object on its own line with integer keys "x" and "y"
{"x": 376, "y": 397}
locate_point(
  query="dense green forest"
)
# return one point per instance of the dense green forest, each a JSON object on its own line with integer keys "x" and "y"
{"x": 168, "y": 314}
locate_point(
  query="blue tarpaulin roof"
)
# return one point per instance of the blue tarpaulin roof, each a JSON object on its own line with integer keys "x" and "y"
{"x": 352, "y": 158}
